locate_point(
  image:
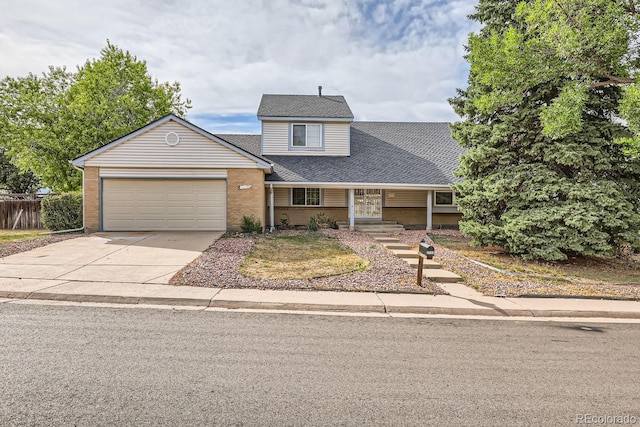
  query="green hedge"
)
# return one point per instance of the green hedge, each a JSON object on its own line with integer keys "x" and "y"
{"x": 62, "y": 212}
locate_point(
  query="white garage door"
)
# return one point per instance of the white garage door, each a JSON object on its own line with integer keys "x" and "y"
{"x": 164, "y": 204}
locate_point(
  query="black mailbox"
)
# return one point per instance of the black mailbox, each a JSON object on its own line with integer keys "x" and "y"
{"x": 426, "y": 250}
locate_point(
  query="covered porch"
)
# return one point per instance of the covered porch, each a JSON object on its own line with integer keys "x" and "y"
{"x": 417, "y": 206}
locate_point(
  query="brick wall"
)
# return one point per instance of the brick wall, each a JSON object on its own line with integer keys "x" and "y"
{"x": 245, "y": 202}
{"x": 91, "y": 199}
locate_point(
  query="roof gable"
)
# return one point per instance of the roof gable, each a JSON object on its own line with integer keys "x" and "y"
{"x": 156, "y": 145}
{"x": 304, "y": 106}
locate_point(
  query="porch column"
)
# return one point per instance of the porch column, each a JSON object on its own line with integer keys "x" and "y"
{"x": 429, "y": 210}
{"x": 271, "y": 208}
{"x": 352, "y": 210}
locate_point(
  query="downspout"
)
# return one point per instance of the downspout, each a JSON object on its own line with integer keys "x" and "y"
{"x": 72, "y": 230}
{"x": 429, "y": 210}
{"x": 271, "y": 209}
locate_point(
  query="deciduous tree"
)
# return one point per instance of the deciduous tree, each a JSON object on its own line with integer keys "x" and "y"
{"x": 52, "y": 118}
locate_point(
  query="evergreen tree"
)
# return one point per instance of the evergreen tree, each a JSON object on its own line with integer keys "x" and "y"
{"x": 525, "y": 189}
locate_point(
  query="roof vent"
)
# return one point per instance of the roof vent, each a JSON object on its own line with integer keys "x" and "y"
{"x": 319, "y": 90}
{"x": 172, "y": 139}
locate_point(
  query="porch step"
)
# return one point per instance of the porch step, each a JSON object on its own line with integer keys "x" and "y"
{"x": 439, "y": 275}
{"x": 427, "y": 263}
{"x": 373, "y": 226}
{"x": 405, "y": 254}
{"x": 384, "y": 238}
{"x": 395, "y": 245}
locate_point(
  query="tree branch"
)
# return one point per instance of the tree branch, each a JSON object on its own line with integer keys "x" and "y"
{"x": 613, "y": 80}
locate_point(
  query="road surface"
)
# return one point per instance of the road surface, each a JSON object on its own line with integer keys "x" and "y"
{"x": 70, "y": 365}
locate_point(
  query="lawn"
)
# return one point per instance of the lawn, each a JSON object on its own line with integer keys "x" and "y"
{"x": 588, "y": 276}
{"x": 12, "y": 236}
{"x": 299, "y": 257}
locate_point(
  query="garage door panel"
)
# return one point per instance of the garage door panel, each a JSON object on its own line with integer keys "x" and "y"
{"x": 164, "y": 204}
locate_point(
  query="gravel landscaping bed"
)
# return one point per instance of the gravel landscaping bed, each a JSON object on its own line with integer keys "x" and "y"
{"x": 218, "y": 267}
{"x": 493, "y": 283}
{"x": 7, "y": 249}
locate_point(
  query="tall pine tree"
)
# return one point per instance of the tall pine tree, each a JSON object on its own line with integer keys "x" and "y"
{"x": 535, "y": 195}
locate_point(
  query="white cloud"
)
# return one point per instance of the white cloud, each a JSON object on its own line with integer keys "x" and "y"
{"x": 393, "y": 60}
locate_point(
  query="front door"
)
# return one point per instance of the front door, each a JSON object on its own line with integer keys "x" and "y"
{"x": 368, "y": 203}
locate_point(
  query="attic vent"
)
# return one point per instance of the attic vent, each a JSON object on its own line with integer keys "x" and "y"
{"x": 172, "y": 138}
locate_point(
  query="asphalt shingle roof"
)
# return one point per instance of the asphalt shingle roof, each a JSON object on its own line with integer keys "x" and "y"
{"x": 309, "y": 106}
{"x": 381, "y": 152}
{"x": 248, "y": 143}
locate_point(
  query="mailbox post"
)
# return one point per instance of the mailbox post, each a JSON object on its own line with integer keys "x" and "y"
{"x": 424, "y": 251}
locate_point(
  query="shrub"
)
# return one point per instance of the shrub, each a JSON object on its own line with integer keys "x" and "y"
{"x": 325, "y": 221}
{"x": 250, "y": 225}
{"x": 284, "y": 221}
{"x": 313, "y": 225}
{"x": 62, "y": 212}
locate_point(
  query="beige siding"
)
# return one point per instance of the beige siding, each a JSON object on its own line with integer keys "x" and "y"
{"x": 162, "y": 173}
{"x": 275, "y": 140}
{"x": 334, "y": 197}
{"x": 336, "y": 139}
{"x": 405, "y": 198}
{"x": 149, "y": 149}
{"x": 281, "y": 197}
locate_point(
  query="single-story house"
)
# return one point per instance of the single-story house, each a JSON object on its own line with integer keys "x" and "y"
{"x": 310, "y": 157}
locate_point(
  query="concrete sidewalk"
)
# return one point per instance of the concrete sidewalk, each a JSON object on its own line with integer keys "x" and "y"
{"x": 461, "y": 301}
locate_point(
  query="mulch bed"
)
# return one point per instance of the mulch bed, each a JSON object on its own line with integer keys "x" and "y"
{"x": 493, "y": 283}
{"x": 218, "y": 267}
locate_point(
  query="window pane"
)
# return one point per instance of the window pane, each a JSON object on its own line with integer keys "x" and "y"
{"x": 314, "y": 136}
{"x": 313, "y": 196}
{"x": 299, "y": 135}
{"x": 298, "y": 196}
{"x": 444, "y": 198}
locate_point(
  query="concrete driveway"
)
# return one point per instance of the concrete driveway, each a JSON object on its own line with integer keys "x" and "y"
{"x": 126, "y": 257}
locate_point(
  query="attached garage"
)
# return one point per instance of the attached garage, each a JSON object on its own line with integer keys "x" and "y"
{"x": 172, "y": 175}
{"x": 164, "y": 204}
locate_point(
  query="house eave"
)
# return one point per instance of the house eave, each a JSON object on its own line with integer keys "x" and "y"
{"x": 305, "y": 119}
{"x": 385, "y": 186}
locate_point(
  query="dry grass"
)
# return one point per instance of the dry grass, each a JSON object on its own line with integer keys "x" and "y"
{"x": 299, "y": 257}
{"x": 587, "y": 270}
{"x": 11, "y": 236}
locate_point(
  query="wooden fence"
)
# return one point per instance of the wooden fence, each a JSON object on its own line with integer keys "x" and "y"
{"x": 29, "y": 218}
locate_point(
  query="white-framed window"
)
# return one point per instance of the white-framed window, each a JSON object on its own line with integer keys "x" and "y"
{"x": 444, "y": 198}
{"x": 306, "y": 135}
{"x": 305, "y": 197}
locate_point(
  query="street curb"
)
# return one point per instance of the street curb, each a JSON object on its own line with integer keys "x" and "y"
{"x": 116, "y": 299}
{"x": 343, "y": 308}
{"x": 352, "y": 308}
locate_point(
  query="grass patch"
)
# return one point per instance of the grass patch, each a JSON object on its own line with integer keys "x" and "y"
{"x": 586, "y": 269}
{"x": 299, "y": 257}
{"x": 12, "y": 236}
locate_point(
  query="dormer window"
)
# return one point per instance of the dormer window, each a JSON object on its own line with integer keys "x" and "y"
{"x": 306, "y": 135}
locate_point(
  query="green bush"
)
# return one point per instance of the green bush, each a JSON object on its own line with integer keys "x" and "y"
{"x": 313, "y": 225}
{"x": 62, "y": 212}
{"x": 324, "y": 221}
{"x": 250, "y": 225}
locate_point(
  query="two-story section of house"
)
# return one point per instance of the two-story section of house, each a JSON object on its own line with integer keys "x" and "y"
{"x": 311, "y": 157}
{"x": 324, "y": 161}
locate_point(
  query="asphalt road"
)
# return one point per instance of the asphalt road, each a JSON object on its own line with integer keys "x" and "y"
{"x": 109, "y": 366}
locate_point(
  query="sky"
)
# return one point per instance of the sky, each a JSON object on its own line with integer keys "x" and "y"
{"x": 394, "y": 60}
